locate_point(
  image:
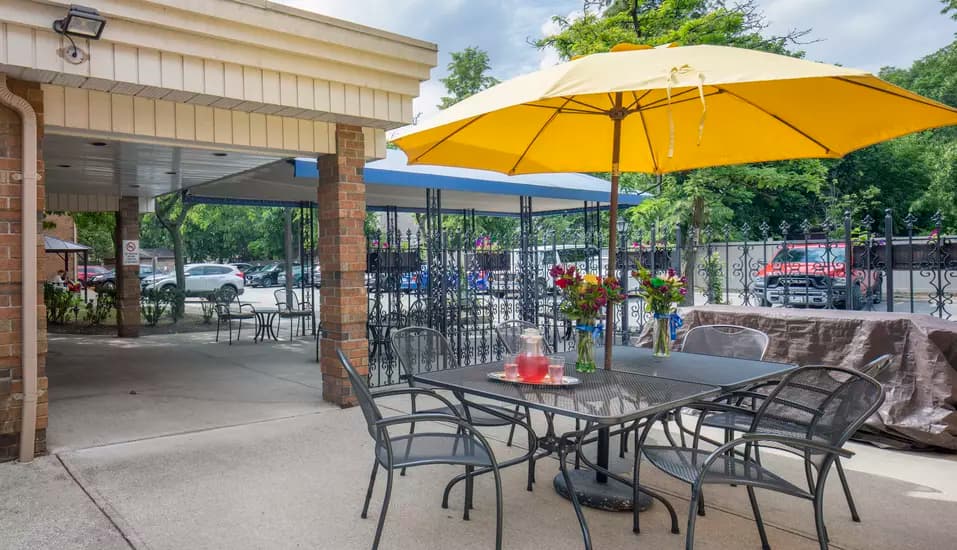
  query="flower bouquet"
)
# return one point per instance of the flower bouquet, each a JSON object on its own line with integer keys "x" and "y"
{"x": 584, "y": 297}
{"x": 662, "y": 295}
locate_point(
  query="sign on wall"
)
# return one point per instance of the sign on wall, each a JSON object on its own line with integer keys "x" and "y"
{"x": 131, "y": 252}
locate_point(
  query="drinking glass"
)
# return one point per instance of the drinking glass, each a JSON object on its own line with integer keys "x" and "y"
{"x": 556, "y": 368}
{"x": 511, "y": 366}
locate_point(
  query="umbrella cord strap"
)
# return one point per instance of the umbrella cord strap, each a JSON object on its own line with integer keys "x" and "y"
{"x": 673, "y": 79}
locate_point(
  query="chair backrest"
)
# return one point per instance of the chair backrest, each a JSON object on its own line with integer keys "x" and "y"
{"x": 510, "y": 335}
{"x": 361, "y": 389}
{"x": 826, "y": 404}
{"x": 878, "y": 366}
{"x": 421, "y": 349}
{"x": 281, "y": 303}
{"x": 726, "y": 341}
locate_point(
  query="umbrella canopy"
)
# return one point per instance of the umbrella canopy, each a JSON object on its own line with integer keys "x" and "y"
{"x": 665, "y": 109}
{"x": 727, "y": 106}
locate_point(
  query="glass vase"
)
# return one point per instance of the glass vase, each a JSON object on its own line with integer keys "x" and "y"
{"x": 586, "y": 349}
{"x": 661, "y": 336}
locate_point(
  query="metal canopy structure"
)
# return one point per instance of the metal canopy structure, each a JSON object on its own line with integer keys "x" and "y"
{"x": 53, "y": 244}
{"x": 391, "y": 184}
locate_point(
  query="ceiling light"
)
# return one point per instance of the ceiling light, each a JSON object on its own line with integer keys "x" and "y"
{"x": 81, "y": 21}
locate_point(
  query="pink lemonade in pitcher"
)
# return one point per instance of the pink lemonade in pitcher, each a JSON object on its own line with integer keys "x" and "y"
{"x": 532, "y": 368}
{"x": 532, "y": 363}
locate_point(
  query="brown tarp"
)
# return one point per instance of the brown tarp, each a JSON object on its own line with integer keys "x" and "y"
{"x": 919, "y": 409}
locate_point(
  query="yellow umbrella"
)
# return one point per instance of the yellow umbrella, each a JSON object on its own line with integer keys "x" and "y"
{"x": 666, "y": 109}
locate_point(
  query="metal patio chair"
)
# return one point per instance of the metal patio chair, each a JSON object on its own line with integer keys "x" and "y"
{"x": 811, "y": 413}
{"x": 461, "y": 446}
{"x": 295, "y": 310}
{"x": 750, "y": 399}
{"x": 726, "y": 341}
{"x": 228, "y": 308}
{"x": 422, "y": 349}
{"x": 720, "y": 340}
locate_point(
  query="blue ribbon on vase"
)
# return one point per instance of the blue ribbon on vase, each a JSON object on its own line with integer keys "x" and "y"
{"x": 595, "y": 330}
{"x": 674, "y": 322}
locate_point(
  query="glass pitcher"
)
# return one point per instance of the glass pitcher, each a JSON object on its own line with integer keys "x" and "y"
{"x": 532, "y": 363}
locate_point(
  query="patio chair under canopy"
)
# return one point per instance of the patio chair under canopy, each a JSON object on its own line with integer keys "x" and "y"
{"x": 667, "y": 109}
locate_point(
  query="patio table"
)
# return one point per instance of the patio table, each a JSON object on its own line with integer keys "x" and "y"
{"x": 265, "y": 318}
{"x": 604, "y": 398}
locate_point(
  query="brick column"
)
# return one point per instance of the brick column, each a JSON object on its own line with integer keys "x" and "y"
{"x": 127, "y": 276}
{"x": 341, "y": 247}
{"x": 11, "y": 277}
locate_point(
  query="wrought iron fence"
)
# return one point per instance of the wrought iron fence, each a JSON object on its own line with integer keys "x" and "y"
{"x": 463, "y": 285}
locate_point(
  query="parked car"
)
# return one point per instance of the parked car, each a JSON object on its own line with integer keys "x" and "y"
{"x": 203, "y": 280}
{"x": 242, "y": 266}
{"x": 85, "y": 273}
{"x": 298, "y": 272}
{"x": 107, "y": 279}
{"x": 815, "y": 276}
{"x": 268, "y": 275}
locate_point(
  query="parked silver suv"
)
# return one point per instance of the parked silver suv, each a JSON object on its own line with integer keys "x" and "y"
{"x": 203, "y": 280}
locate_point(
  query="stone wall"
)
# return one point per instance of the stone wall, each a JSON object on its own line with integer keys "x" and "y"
{"x": 11, "y": 276}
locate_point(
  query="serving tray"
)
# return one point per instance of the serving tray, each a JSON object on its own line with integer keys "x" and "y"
{"x": 547, "y": 382}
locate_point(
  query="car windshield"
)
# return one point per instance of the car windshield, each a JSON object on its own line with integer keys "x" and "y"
{"x": 815, "y": 255}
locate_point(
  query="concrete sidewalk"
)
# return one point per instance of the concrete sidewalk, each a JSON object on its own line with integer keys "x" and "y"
{"x": 230, "y": 447}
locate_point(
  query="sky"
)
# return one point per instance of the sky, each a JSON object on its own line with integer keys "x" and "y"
{"x": 865, "y": 34}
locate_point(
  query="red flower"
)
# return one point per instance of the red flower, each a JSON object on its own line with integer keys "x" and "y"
{"x": 556, "y": 271}
{"x": 562, "y": 283}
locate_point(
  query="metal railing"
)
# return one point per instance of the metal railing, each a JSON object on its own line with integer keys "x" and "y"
{"x": 464, "y": 286}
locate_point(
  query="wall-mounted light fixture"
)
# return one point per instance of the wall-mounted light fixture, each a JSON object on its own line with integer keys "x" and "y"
{"x": 82, "y": 22}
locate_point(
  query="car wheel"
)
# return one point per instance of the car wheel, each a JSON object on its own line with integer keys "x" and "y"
{"x": 108, "y": 286}
{"x": 228, "y": 292}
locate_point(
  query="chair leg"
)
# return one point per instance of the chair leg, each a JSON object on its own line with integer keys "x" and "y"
{"x": 218, "y": 323}
{"x": 239, "y": 333}
{"x": 692, "y": 516}
{"x": 409, "y": 446}
{"x": 511, "y": 432}
{"x": 365, "y": 507}
{"x": 701, "y": 503}
{"x": 531, "y": 459}
{"x": 385, "y": 508}
{"x": 757, "y": 519}
{"x": 847, "y": 491}
{"x": 469, "y": 481}
{"x": 499, "y": 516}
{"x": 819, "y": 521}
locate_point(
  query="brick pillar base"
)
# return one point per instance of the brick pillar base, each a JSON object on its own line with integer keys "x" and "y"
{"x": 342, "y": 253}
{"x": 11, "y": 277}
{"x": 127, "y": 276}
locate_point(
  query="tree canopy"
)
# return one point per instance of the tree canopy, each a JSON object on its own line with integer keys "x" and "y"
{"x": 466, "y": 75}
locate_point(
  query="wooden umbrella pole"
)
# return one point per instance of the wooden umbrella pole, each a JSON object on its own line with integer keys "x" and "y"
{"x": 617, "y": 115}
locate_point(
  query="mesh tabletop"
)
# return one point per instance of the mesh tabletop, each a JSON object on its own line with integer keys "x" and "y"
{"x": 725, "y": 372}
{"x": 605, "y": 397}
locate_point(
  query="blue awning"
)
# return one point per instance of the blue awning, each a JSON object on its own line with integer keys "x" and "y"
{"x": 394, "y": 170}
{"x": 391, "y": 183}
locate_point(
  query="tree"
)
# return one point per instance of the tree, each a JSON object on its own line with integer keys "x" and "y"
{"x": 171, "y": 211}
{"x": 96, "y": 229}
{"x": 949, "y": 6}
{"x": 466, "y": 76}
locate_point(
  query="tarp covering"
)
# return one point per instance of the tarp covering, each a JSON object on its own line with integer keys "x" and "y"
{"x": 919, "y": 408}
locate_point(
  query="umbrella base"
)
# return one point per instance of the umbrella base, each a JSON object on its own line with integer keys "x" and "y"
{"x": 612, "y": 496}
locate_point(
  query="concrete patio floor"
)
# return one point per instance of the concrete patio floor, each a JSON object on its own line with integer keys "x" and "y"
{"x": 231, "y": 447}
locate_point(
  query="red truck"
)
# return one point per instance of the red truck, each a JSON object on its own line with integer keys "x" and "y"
{"x": 815, "y": 276}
